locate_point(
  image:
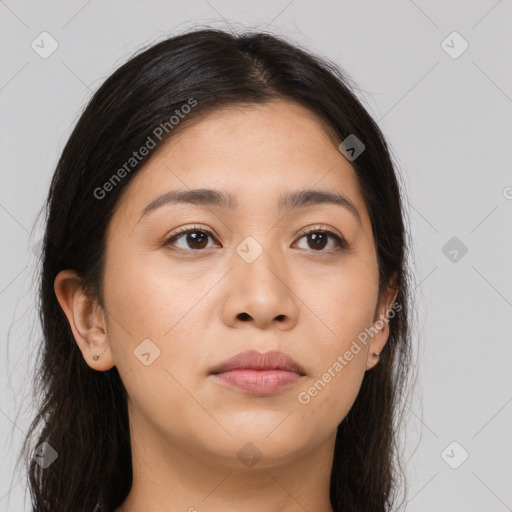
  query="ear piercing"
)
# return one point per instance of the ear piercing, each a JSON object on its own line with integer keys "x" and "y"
{"x": 376, "y": 354}
{"x": 97, "y": 356}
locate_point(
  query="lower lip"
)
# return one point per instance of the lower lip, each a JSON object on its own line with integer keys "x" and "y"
{"x": 259, "y": 382}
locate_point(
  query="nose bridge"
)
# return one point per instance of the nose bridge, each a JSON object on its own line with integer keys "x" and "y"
{"x": 256, "y": 261}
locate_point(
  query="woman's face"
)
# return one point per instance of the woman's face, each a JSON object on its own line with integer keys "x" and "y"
{"x": 247, "y": 277}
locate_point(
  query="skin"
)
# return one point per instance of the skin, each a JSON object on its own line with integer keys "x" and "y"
{"x": 310, "y": 303}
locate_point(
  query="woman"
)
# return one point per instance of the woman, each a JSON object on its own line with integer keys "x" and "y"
{"x": 224, "y": 291}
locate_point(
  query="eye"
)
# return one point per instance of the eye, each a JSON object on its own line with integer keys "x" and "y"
{"x": 318, "y": 238}
{"x": 194, "y": 237}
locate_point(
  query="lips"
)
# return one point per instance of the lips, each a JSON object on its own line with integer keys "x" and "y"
{"x": 258, "y": 374}
{"x": 253, "y": 360}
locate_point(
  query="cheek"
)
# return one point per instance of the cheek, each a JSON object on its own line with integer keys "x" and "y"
{"x": 141, "y": 308}
{"x": 345, "y": 307}
{"x": 149, "y": 298}
{"x": 146, "y": 297}
{"x": 344, "y": 302}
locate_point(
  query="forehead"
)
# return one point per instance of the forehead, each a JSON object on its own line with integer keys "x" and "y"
{"x": 255, "y": 152}
{"x": 254, "y": 134}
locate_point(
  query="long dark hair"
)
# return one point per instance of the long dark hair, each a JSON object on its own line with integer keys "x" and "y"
{"x": 82, "y": 414}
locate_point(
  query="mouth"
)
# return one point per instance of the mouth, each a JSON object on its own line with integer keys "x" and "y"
{"x": 259, "y": 374}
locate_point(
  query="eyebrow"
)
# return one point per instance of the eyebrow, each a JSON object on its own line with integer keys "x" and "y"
{"x": 226, "y": 200}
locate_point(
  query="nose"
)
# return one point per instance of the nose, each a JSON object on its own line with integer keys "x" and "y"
{"x": 260, "y": 292}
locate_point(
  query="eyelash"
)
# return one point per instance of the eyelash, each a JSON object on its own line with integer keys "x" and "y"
{"x": 341, "y": 242}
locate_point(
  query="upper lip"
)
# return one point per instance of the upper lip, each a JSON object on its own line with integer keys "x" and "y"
{"x": 253, "y": 360}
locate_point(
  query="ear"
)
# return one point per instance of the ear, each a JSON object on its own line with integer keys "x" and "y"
{"x": 380, "y": 328}
{"x": 86, "y": 319}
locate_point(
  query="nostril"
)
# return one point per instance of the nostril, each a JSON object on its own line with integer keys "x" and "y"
{"x": 243, "y": 316}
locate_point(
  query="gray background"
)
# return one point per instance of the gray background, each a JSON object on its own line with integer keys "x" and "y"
{"x": 448, "y": 123}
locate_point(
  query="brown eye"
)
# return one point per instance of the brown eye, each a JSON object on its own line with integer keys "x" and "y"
{"x": 190, "y": 239}
{"x": 318, "y": 239}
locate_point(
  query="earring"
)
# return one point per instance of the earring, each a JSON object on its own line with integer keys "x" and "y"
{"x": 96, "y": 357}
{"x": 376, "y": 354}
